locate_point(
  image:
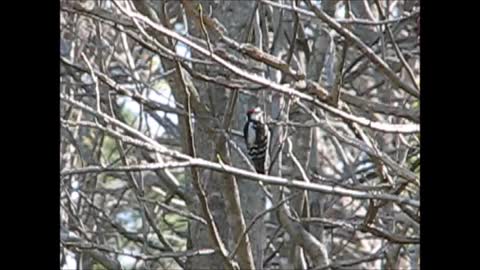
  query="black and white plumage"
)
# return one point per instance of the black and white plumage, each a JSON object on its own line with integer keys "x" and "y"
{"x": 257, "y": 139}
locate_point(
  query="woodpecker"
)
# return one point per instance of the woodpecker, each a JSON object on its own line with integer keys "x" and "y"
{"x": 257, "y": 139}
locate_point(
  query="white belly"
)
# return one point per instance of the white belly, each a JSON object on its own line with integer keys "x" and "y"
{"x": 251, "y": 135}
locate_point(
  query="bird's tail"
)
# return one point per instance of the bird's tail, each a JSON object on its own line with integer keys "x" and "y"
{"x": 259, "y": 165}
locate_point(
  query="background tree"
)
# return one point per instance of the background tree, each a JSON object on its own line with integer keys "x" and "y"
{"x": 154, "y": 171}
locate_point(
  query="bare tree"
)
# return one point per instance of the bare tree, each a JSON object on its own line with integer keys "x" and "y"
{"x": 154, "y": 171}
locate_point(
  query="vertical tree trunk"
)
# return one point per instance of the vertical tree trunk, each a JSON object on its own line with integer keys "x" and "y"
{"x": 234, "y": 16}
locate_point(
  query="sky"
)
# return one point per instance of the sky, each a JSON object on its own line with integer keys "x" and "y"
{"x": 164, "y": 95}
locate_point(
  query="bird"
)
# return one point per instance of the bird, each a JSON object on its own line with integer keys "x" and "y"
{"x": 257, "y": 139}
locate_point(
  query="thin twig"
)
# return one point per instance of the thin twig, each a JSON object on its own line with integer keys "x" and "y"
{"x": 257, "y": 217}
{"x": 341, "y": 21}
{"x": 355, "y": 40}
{"x": 397, "y": 49}
{"x": 95, "y": 80}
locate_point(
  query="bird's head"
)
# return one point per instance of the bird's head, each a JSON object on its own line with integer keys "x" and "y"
{"x": 255, "y": 114}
